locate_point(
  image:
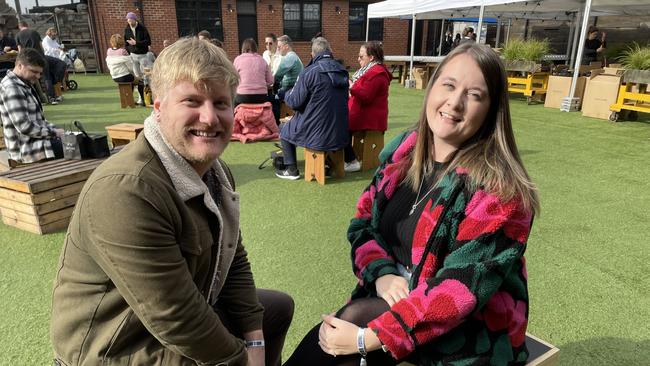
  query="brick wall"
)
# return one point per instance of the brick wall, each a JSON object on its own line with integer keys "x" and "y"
{"x": 109, "y": 17}
{"x": 160, "y": 20}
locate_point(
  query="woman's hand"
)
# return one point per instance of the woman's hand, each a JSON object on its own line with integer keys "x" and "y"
{"x": 392, "y": 288}
{"x": 339, "y": 337}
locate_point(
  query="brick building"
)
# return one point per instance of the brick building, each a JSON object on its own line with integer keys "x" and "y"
{"x": 342, "y": 22}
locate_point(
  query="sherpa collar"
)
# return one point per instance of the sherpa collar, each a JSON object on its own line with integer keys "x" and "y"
{"x": 186, "y": 180}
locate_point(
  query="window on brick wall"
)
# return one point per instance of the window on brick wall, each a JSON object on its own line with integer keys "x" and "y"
{"x": 302, "y": 20}
{"x": 357, "y": 24}
{"x": 193, "y": 16}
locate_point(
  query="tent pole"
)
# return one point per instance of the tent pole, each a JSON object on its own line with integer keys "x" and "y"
{"x": 508, "y": 32}
{"x": 574, "y": 44}
{"x": 367, "y": 26}
{"x": 412, "y": 46}
{"x": 442, "y": 34}
{"x": 496, "y": 43}
{"x": 569, "y": 42}
{"x": 480, "y": 23}
{"x": 583, "y": 32}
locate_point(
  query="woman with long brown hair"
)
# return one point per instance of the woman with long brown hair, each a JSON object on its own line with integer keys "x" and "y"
{"x": 439, "y": 235}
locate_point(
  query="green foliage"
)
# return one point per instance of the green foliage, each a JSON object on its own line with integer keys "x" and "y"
{"x": 526, "y": 50}
{"x": 636, "y": 57}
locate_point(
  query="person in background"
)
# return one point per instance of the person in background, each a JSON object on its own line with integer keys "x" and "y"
{"x": 439, "y": 235}
{"x": 368, "y": 104}
{"x": 319, "y": 99}
{"x": 120, "y": 65}
{"x": 271, "y": 55}
{"x": 29, "y": 137}
{"x": 29, "y": 38}
{"x": 166, "y": 43}
{"x": 51, "y": 46}
{"x": 204, "y": 35}
{"x": 7, "y": 43}
{"x": 457, "y": 39}
{"x": 290, "y": 67}
{"x": 594, "y": 45}
{"x": 153, "y": 270}
{"x": 468, "y": 35}
{"x": 255, "y": 75}
{"x": 447, "y": 43}
{"x": 138, "y": 41}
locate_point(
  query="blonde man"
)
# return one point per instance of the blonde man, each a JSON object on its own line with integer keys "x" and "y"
{"x": 155, "y": 272}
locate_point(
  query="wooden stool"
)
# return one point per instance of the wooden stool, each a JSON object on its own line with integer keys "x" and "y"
{"x": 367, "y": 145}
{"x": 315, "y": 164}
{"x": 123, "y": 133}
{"x": 541, "y": 353}
{"x": 58, "y": 89}
{"x": 285, "y": 110}
{"x": 126, "y": 95}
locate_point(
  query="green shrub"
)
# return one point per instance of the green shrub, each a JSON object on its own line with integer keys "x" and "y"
{"x": 525, "y": 50}
{"x": 636, "y": 57}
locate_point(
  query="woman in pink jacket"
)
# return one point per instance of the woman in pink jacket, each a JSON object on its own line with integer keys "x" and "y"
{"x": 255, "y": 75}
{"x": 368, "y": 103}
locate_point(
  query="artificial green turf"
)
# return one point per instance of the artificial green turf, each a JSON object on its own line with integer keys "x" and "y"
{"x": 587, "y": 255}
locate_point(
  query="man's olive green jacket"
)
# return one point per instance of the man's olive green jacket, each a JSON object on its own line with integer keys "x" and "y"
{"x": 142, "y": 267}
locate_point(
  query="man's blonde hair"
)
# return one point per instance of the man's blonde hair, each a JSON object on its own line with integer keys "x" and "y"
{"x": 198, "y": 62}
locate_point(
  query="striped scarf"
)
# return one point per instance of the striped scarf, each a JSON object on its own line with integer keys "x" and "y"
{"x": 363, "y": 70}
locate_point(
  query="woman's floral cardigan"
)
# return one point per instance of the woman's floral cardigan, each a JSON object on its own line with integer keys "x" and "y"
{"x": 468, "y": 303}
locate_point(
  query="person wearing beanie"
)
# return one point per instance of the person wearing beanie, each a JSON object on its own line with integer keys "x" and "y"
{"x": 137, "y": 43}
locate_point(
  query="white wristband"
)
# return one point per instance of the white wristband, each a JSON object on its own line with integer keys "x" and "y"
{"x": 361, "y": 342}
{"x": 255, "y": 343}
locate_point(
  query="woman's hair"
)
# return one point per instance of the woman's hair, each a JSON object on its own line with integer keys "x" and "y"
{"x": 116, "y": 41}
{"x": 50, "y": 31}
{"x": 249, "y": 46}
{"x": 203, "y": 64}
{"x": 592, "y": 28}
{"x": 490, "y": 156}
{"x": 374, "y": 48}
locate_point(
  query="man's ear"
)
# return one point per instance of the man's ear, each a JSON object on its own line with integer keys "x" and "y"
{"x": 156, "y": 109}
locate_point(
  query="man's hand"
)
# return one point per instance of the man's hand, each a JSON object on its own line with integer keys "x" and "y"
{"x": 131, "y": 41}
{"x": 255, "y": 356}
{"x": 392, "y": 288}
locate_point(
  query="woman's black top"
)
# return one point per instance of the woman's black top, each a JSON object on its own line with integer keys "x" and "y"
{"x": 396, "y": 226}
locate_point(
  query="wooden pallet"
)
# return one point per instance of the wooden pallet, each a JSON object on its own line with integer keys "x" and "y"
{"x": 40, "y": 197}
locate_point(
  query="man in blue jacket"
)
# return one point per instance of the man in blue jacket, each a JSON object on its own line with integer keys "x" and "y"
{"x": 320, "y": 101}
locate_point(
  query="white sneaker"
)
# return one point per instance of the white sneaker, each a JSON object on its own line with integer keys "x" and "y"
{"x": 353, "y": 166}
{"x": 139, "y": 102}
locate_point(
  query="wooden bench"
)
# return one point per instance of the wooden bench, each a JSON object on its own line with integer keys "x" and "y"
{"x": 126, "y": 95}
{"x": 315, "y": 164}
{"x": 40, "y": 197}
{"x": 541, "y": 353}
{"x": 367, "y": 145}
{"x": 123, "y": 133}
{"x": 285, "y": 110}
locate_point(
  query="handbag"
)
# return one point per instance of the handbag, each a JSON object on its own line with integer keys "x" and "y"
{"x": 276, "y": 158}
{"x": 81, "y": 145}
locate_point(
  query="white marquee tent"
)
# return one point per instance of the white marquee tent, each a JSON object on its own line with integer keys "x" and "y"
{"x": 527, "y": 9}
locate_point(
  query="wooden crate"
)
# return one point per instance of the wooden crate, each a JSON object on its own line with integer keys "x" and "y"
{"x": 40, "y": 197}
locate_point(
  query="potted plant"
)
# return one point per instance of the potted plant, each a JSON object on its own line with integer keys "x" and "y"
{"x": 636, "y": 62}
{"x": 525, "y": 55}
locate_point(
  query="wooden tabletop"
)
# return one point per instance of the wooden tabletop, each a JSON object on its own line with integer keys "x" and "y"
{"x": 40, "y": 177}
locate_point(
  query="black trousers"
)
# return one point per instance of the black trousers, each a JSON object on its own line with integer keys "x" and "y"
{"x": 359, "y": 312}
{"x": 278, "y": 313}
